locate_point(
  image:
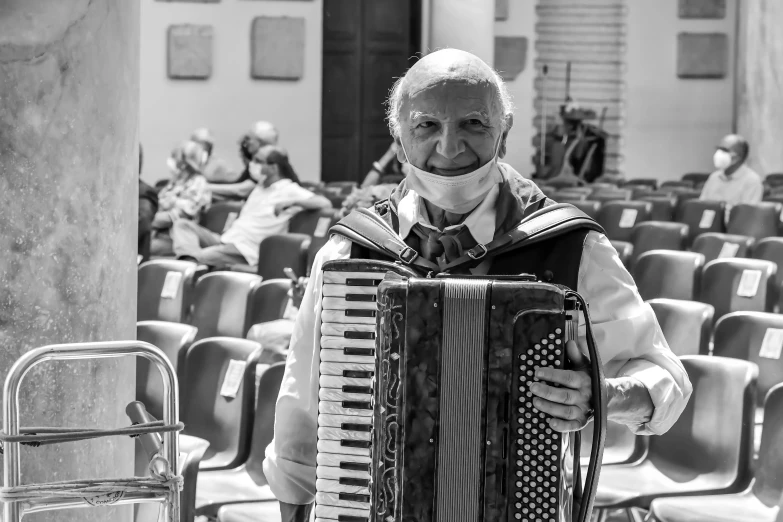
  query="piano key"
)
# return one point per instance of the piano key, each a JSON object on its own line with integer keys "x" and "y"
{"x": 340, "y": 330}
{"x": 331, "y": 368}
{"x": 339, "y": 382}
{"x": 344, "y": 435}
{"x": 329, "y": 472}
{"x": 334, "y": 343}
{"x": 340, "y": 356}
{"x": 333, "y": 512}
{"x": 339, "y": 303}
{"x": 358, "y": 462}
{"x": 340, "y": 278}
{"x": 336, "y": 316}
{"x": 335, "y": 500}
{"x": 336, "y": 408}
{"x": 339, "y": 290}
{"x": 334, "y": 446}
{"x": 333, "y": 394}
{"x": 337, "y": 421}
{"x": 334, "y": 486}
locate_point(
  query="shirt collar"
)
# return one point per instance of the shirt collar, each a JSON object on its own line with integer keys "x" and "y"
{"x": 480, "y": 222}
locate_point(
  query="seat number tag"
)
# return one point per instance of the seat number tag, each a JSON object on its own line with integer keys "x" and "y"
{"x": 728, "y": 250}
{"x": 628, "y": 218}
{"x": 749, "y": 283}
{"x": 233, "y": 378}
{"x": 171, "y": 285}
{"x": 707, "y": 218}
{"x": 772, "y": 345}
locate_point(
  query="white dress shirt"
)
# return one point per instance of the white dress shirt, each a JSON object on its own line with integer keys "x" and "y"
{"x": 626, "y": 332}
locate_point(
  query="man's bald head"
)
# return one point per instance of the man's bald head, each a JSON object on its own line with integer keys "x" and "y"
{"x": 265, "y": 132}
{"x": 444, "y": 67}
{"x": 736, "y": 144}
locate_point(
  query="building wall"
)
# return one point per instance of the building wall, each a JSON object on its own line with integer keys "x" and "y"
{"x": 230, "y": 101}
{"x": 672, "y": 125}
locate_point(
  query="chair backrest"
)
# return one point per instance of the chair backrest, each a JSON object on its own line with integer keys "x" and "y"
{"x": 715, "y": 245}
{"x": 696, "y": 177}
{"x": 658, "y": 235}
{"x": 263, "y": 427}
{"x": 165, "y": 290}
{"x": 768, "y": 485}
{"x": 220, "y": 306}
{"x": 210, "y": 414}
{"x": 220, "y": 215}
{"x": 662, "y": 206}
{"x": 738, "y": 285}
{"x": 606, "y": 195}
{"x": 668, "y": 273}
{"x": 281, "y": 251}
{"x": 774, "y": 179}
{"x": 756, "y": 337}
{"x": 311, "y": 221}
{"x": 686, "y": 325}
{"x": 701, "y": 217}
{"x": 320, "y": 236}
{"x": 624, "y": 251}
{"x": 566, "y": 196}
{"x": 758, "y": 220}
{"x": 671, "y": 183}
{"x": 589, "y": 207}
{"x": 645, "y": 182}
{"x": 714, "y": 434}
{"x": 268, "y": 301}
{"x": 770, "y": 249}
{"x": 173, "y": 339}
{"x": 619, "y": 217}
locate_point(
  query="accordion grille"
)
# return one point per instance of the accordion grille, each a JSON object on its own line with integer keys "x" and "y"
{"x": 461, "y": 400}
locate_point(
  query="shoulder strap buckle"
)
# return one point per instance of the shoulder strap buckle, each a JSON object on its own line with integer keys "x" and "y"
{"x": 408, "y": 255}
{"x": 477, "y": 252}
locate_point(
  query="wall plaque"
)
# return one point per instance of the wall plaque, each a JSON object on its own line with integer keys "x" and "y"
{"x": 190, "y": 51}
{"x": 510, "y": 55}
{"x": 710, "y": 9}
{"x": 277, "y": 48}
{"x": 501, "y": 9}
{"x": 702, "y": 55}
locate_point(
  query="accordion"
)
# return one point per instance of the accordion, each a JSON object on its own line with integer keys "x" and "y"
{"x": 424, "y": 411}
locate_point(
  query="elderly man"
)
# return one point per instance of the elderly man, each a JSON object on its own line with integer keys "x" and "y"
{"x": 263, "y": 133}
{"x": 450, "y": 116}
{"x": 734, "y": 182}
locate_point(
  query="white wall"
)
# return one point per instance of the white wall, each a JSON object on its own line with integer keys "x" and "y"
{"x": 230, "y": 101}
{"x": 672, "y": 125}
{"x": 521, "y": 22}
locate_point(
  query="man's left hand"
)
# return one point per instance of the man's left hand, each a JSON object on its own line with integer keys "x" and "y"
{"x": 570, "y": 405}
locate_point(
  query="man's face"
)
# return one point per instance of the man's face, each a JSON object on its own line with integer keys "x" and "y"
{"x": 731, "y": 145}
{"x": 451, "y": 127}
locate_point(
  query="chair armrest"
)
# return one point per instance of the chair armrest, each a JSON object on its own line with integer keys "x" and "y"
{"x": 248, "y": 269}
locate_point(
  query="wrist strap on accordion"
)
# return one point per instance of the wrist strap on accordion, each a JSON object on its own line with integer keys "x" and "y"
{"x": 370, "y": 230}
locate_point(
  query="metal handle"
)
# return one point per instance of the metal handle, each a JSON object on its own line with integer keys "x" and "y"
{"x": 59, "y": 352}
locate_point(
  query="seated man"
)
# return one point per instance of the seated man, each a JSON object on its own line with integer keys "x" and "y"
{"x": 734, "y": 182}
{"x": 263, "y": 133}
{"x": 148, "y": 206}
{"x": 184, "y": 197}
{"x": 450, "y": 116}
{"x": 275, "y": 199}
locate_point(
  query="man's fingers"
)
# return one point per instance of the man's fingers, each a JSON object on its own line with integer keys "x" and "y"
{"x": 559, "y": 395}
{"x": 565, "y": 426}
{"x": 567, "y": 378}
{"x": 560, "y": 411}
{"x": 575, "y": 356}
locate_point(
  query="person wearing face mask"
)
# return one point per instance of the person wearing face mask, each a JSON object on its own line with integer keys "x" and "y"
{"x": 733, "y": 182}
{"x": 450, "y": 116}
{"x": 277, "y": 196}
{"x": 185, "y": 196}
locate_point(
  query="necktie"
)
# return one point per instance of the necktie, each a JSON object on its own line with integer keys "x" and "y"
{"x": 443, "y": 247}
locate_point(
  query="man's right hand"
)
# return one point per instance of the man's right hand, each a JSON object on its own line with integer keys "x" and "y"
{"x": 295, "y": 512}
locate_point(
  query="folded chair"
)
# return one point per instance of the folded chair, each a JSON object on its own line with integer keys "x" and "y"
{"x": 686, "y": 325}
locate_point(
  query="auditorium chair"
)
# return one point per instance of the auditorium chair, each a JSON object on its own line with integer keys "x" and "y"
{"x": 771, "y": 249}
{"x": 624, "y": 251}
{"x": 681, "y": 462}
{"x": 662, "y": 206}
{"x": 759, "y": 502}
{"x": 675, "y": 184}
{"x": 658, "y": 235}
{"x": 758, "y": 220}
{"x": 217, "y": 405}
{"x": 741, "y": 335}
{"x": 696, "y": 178}
{"x": 221, "y": 215}
{"x": 686, "y": 325}
{"x": 276, "y": 253}
{"x": 578, "y": 191}
{"x": 173, "y": 339}
{"x": 701, "y": 217}
{"x": 668, "y": 273}
{"x": 567, "y": 196}
{"x": 269, "y": 301}
{"x": 641, "y": 182}
{"x": 775, "y": 198}
{"x": 738, "y": 285}
{"x": 255, "y": 512}
{"x": 621, "y": 446}
{"x": 165, "y": 290}
{"x": 590, "y": 208}
{"x": 606, "y": 195}
{"x": 245, "y": 483}
{"x": 558, "y": 184}
{"x": 221, "y": 304}
{"x": 619, "y": 217}
{"x": 715, "y": 245}
{"x": 774, "y": 179}
{"x": 310, "y": 222}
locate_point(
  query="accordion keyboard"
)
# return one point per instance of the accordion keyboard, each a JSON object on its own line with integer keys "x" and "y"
{"x": 345, "y": 394}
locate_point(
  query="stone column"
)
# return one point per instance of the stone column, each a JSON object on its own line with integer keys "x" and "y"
{"x": 468, "y": 25}
{"x": 69, "y": 91}
{"x": 759, "y": 103}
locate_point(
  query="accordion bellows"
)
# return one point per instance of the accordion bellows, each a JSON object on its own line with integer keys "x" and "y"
{"x": 424, "y": 409}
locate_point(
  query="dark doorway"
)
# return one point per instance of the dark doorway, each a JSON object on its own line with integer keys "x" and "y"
{"x": 367, "y": 44}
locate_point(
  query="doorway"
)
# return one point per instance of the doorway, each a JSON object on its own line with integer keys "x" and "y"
{"x": 366, "y": 46}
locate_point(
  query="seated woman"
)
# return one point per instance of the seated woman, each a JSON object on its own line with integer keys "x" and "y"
{"x": 276, "y": 198}
{"x": 184, "y": 197}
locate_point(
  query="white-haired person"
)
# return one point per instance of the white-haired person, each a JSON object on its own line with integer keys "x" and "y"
{"x": 450, "y": 116}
